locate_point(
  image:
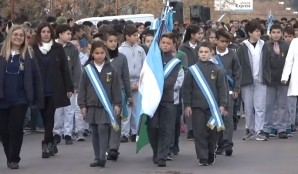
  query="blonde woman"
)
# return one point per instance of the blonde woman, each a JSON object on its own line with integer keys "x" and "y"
{"x": 20, "y": 88}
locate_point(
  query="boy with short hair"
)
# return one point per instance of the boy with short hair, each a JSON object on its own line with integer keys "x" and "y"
{"x": 288, "y": 34}
{"x": 135, "y": 55}
{"x": 228, "y": 60}
{"x": 160, "y": 127}
{"x": 80, "y": 123}
{"x": 255, "y": 60}
{"x": 63, "y": 33}
{"x": 205, "y": 99}
{"x": 276, "y": 97}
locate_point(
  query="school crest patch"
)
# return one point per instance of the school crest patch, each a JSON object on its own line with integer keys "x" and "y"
{"x": 109, "y": 76}
{"x": 282, "y": 54}
{"x": 213, "y": 75}
{"x": 68, "y": 58}
{"x": 22, "y": 66}
{"x": 139, "y": 53}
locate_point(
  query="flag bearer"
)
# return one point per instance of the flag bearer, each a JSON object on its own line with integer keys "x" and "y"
{"x": 160, "y": 127}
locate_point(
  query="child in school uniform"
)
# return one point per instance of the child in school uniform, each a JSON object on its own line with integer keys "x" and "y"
{"x": 119, "y": 61}
{"x": 193, "y": 35}
{"x": 94, "y": 111}
{"x": 228, "y": 60}
{"x": 197, "y": 106}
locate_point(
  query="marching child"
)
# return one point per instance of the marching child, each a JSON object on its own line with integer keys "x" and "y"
{"x": 135, "y": 55}
{"x": 191, "y": 41}
{"x": 99, "y": 90}
{"x": 119, "y": 61}
{"x": 228, "y": 60}
{"x": 205, "y": 98}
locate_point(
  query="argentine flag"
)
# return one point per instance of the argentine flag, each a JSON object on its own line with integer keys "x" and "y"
{"x": 151, "y": 83}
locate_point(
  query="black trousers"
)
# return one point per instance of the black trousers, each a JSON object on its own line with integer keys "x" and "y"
{"x": 160, "y": 129}
{"x": 47, "y": 114}
{"x": 11, "y": 131}
{"x": 177, "y": 126}
{"x": 205, "y": 138}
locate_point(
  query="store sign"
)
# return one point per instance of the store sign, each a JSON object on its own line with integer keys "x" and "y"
{"x": 234, "y": 5}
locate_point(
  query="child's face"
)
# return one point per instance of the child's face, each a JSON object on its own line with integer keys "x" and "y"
{"x": 166, "y": 45}
{"x": 77, "y": 44}
{"x": 99, "y": 55}
{"x": 222, "y": 43}
{"x": 205, "y": 53}
{"x": 275, "y": 34}
{"x": 141, "y": 29}
{"x": 148, "y": 41}
{"x": 198, "y": 36}
{"x": 65, "y": 36}
{"x": 212, "y": 38}
{"x": 296, "y": 32}
{"x": 288, "y": 37}
{"x": 112, "y": 42}
{"x": 133, "y": 39}
{"x": 255, "y": 35}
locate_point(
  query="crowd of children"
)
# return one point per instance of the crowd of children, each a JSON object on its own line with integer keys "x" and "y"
{"x": 221, "y": 66}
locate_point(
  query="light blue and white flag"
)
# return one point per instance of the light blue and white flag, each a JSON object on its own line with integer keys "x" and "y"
{"x": 270, "y": 21}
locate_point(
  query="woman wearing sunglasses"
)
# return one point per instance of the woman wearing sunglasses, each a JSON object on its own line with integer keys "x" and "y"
{"x": 20, "y": 88}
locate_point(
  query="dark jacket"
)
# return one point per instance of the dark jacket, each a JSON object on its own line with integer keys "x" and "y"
{"x": 192, "y": 94}
{"x": 192, "y": 54}
{"x": 278, "y": 62}
{"x": 121, "y": 65}
{"x": 233, "y": 68}
{"x": 32, "y": 80}
{"x": 87, "y": 96}
{"x": 244, "y": 59}
{"x": 59, "y": 74}
{"x": 74, "y": 63}
{"x": 168, "y": 90}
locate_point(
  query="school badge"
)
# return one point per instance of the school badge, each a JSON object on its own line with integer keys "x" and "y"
{"x": 109, "y": 77}
{"x": 22, "y": 66}
{"x": 212, "y": 75}
{"x": 68, "y": 58}
{"x": 139, "y": 53}
{"x": 282, "y": 54}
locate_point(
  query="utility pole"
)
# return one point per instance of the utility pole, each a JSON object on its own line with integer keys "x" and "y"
{"x": 12, "y": 9}
{"x": 117, "y": 7}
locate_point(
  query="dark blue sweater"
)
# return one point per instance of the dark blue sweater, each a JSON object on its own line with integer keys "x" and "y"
{"x": 13, "y": 83}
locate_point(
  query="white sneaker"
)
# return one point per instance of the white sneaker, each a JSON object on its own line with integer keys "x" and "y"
{"x": 80, "y": 137}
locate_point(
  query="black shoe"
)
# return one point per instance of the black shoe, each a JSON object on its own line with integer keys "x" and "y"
{"x": 57, "y": 139}
{"x": 133, "y": 138}
{"x": 45, "y": 151}
{"x": 283, "y": 135}
{"x": 220, "y": 150}
{"x": 8, "y": 164}
{"x": 203, "y": 162}
{"x": 55, "y": 148}
{"x": 169, "y": 157}
{"x": 154, "y": 159}
{"x": 94, "y": 164}
{"x": 68, "y": 140}
{"x": 176, "y": 150}
{"x": 124, "y": 139}
{"x": 102, "y": 163}
{"x": 229, "y": 151}
{"x": 86, "y": 133}
{"x": 14, "y": 165}
{"x": 162, "y": 163}
{"x": 293, "y": 128}
{"x": 113, "y": 155}
{"x": 51, "y": 150}
{"x": 267, "y": 135}
{"x": 235, "y": 126}
{"x": 211, "y": 159}
{"x": 190, "y": 135}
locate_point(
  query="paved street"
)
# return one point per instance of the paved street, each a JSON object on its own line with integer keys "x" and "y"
{"x": 250, "y": 157}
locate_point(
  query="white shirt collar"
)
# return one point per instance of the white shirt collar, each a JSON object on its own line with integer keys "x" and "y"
{"x": 99, "y": 67}
{"x": 224, "y": 53}
{"x": 192, "y": 46}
